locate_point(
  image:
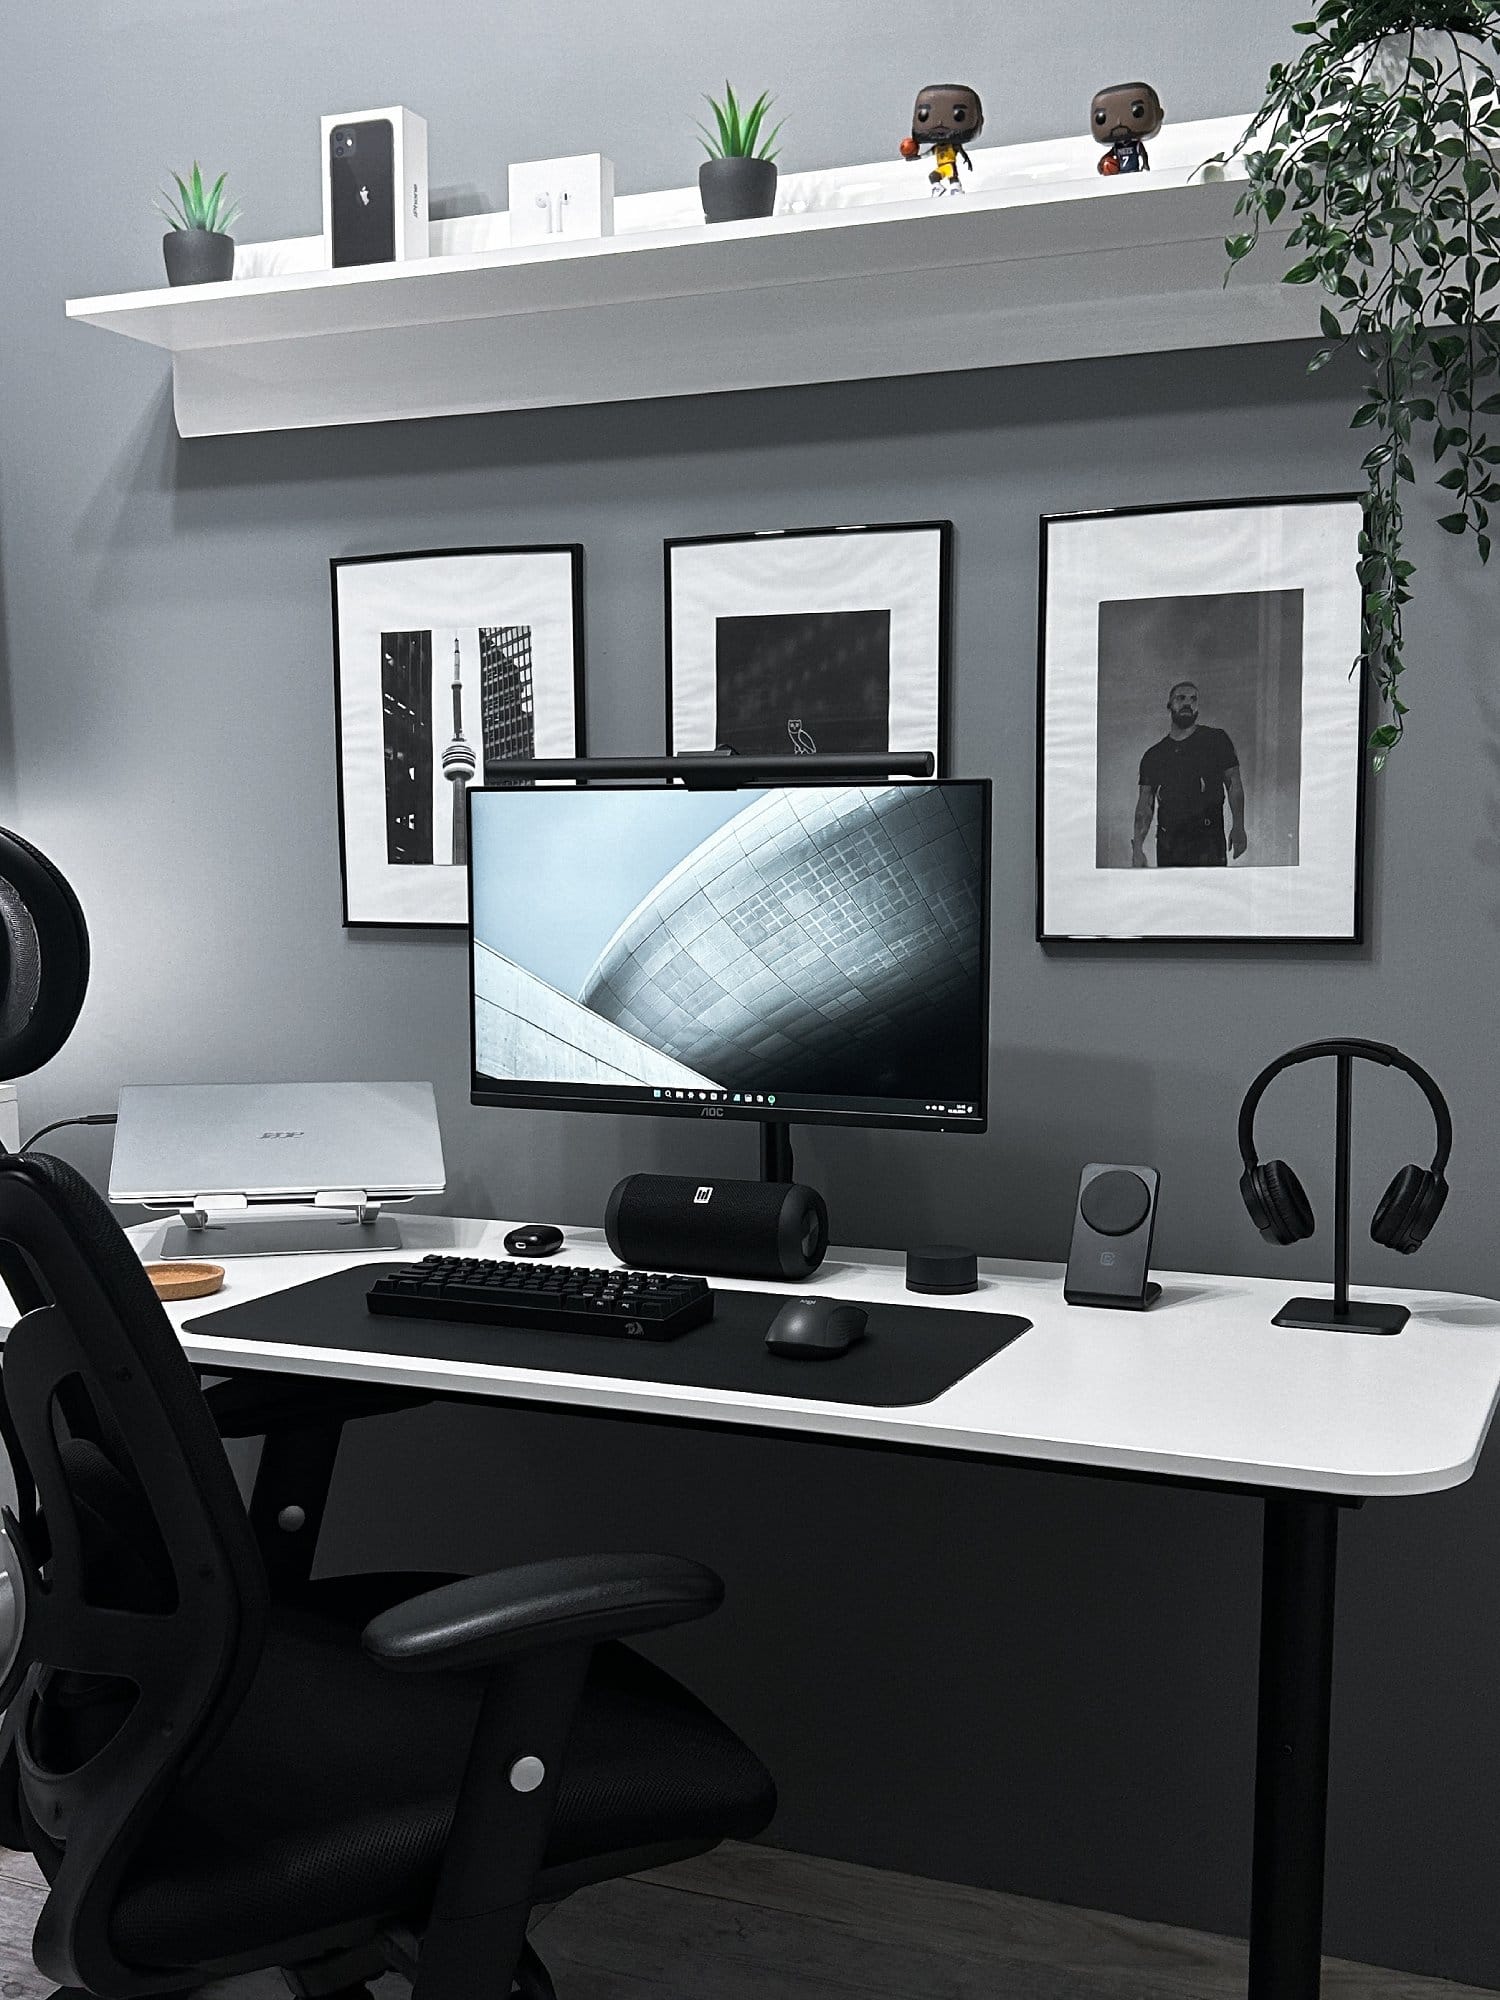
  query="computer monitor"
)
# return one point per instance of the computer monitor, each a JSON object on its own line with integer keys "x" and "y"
{"x": 808, "y": 952}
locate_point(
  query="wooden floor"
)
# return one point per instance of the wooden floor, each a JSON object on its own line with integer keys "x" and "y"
{"x": 751, "y": 1923}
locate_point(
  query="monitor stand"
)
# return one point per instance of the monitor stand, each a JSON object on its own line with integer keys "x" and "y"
{"x": 776, "y": 1150}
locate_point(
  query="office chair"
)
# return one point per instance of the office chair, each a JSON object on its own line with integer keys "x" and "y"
{"x": 352, "y": 1779}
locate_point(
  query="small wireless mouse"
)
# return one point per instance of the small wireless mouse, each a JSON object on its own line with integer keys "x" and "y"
{"x": 816, "y": 1329}
{"x": 534, "y": 1239}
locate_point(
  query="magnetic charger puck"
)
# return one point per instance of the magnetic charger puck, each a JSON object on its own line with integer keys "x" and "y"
{"x": 942, "y": 1267}
{"x": 1116, "y": 1202}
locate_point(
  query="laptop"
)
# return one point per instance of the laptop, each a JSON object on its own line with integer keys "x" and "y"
{"x": 228, "y": 1155}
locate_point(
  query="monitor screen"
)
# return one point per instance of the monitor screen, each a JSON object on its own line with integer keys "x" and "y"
{"x": 818, "y": 953}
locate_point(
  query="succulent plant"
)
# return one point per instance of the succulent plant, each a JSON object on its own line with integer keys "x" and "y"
{"x": 195, "y": 206}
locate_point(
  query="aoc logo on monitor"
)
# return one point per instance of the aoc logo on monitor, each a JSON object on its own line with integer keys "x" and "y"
{"x": 704, "y": 1194}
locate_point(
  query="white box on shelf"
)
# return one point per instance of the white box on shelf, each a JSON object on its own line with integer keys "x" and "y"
{"x": 374, "y": 187}
{"x": 574, "y": 196}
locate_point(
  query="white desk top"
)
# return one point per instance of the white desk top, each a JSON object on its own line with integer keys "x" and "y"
{"x": 1200, "y": 1387}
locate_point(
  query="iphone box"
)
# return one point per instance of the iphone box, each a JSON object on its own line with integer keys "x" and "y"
{"x": 374, "y": 187}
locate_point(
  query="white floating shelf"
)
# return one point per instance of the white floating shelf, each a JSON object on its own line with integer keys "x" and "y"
{"x": 853, "y": 278}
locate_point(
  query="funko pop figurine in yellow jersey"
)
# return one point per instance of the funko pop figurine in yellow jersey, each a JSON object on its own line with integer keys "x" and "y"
{"x": 945, "y": 115}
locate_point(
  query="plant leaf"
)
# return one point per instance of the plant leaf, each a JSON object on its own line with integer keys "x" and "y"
{"x": 732, "y": 105}
{"x": 754, "y": 118}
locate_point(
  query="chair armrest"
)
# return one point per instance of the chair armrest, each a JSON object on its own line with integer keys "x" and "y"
{"x": 244, "y": 1406}
{"x": 572, "y": 1601}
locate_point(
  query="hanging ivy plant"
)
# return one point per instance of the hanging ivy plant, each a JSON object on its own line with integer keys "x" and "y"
{"x": 1382, "y": 140}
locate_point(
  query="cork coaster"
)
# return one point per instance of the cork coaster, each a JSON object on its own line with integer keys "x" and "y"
{"x": 185, "y": 1281}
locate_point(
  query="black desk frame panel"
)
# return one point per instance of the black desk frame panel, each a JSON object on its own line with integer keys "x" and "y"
{"x": 1298, "y": 1592}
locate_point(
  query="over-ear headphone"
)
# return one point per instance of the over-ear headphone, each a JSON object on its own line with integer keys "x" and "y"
{"x": 1412, "y": 1203}
{"x": 44, "y": 957}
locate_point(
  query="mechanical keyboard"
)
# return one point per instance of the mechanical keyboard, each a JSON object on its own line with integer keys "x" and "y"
{"x": 631, "y": 1305}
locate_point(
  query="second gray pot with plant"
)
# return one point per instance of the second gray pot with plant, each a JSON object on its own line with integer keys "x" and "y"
{"x": 737, "y": 181}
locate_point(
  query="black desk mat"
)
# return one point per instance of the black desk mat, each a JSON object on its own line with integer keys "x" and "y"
{"x": 910, "y": 1353}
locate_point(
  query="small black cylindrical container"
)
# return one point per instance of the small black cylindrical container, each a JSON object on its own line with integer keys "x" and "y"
{"x": 942, "y": 1267}
{"x": 717, "y": 1229}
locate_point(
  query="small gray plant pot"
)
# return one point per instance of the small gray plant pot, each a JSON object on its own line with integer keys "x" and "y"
{"x": 735, "y": 190}
{"x": 197, "y": 256}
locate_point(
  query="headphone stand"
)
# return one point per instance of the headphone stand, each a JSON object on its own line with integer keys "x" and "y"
{"x": 1340, "y": 1314}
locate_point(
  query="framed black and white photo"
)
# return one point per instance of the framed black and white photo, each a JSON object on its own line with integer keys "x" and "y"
{"x": 447, "y": 662}
{"x": 809, "y": 640}
{"x": 1201, "y": 722}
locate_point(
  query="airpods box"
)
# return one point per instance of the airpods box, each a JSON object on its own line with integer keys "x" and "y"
{"x": 374, "y": 186}
{"x": 569, "y": 197}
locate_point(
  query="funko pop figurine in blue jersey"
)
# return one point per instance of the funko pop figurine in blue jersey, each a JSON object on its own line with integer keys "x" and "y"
{"x": 1123, "y": 118}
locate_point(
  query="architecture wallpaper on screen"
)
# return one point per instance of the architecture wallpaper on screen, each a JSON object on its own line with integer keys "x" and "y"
{"x": 798, "y": 951}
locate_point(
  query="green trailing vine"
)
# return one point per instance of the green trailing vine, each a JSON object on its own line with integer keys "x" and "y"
{"x": 1382, "y": 142}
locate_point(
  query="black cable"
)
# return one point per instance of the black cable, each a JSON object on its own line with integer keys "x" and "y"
{"x": 91, "y": 1118}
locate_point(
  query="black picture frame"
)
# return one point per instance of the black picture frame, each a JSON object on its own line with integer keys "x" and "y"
{"x": 1325, "y": 664}
{"x": 378, "y": 893}
{"x": 859, "y": 644}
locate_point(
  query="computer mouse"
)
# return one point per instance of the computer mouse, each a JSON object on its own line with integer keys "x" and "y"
{"x": 534, "y": 1239}
{"x": 816, "y": 1329}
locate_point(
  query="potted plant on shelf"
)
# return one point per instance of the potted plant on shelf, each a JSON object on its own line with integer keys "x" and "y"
{"x": 738, "y": 179}
{"x": 1382, "y": 141}
{"x": 198, "y": 248}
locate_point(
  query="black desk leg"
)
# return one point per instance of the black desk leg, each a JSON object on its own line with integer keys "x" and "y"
{"x": 1291, "y": 1769}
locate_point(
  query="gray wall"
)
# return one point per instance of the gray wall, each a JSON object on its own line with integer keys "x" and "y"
{"x": 1011, "y": 1678}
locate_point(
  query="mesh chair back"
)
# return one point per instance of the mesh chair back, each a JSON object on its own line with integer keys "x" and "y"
{"x": 145, "y": 1594}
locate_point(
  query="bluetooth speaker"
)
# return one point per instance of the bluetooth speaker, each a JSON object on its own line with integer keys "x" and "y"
{"x": 717, "y": 1228}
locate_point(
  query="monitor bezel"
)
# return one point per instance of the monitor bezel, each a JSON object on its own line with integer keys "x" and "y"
{"x": 484, "y": 1090}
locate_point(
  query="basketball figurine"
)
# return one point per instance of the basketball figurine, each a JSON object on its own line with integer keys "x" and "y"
{"x": 945, "y": 115}
{"x": 1124, "y": 117}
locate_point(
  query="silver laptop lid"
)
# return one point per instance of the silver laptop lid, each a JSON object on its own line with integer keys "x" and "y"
{"x": 275, "y": 1141}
